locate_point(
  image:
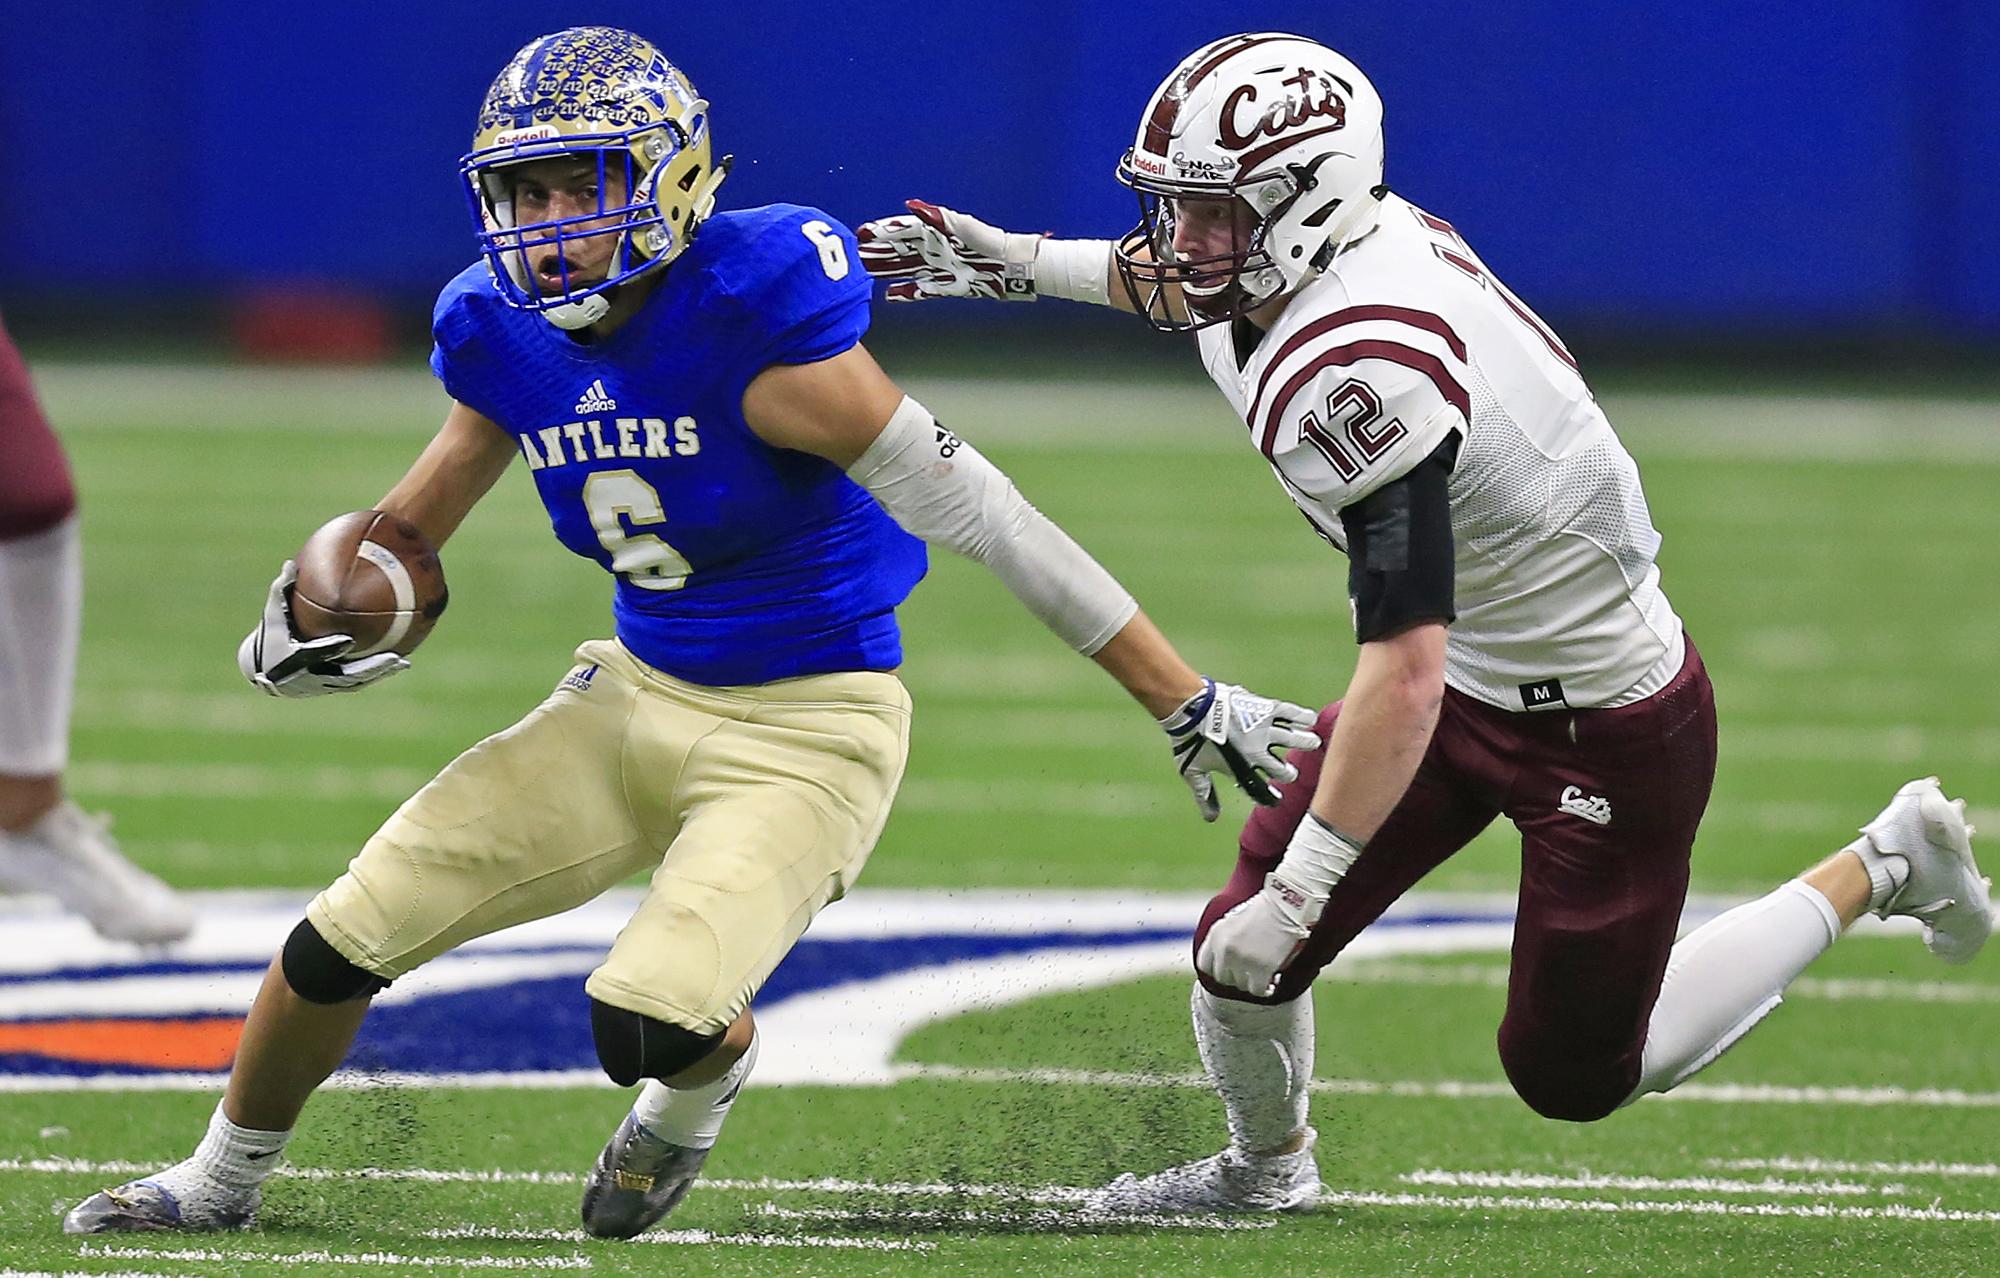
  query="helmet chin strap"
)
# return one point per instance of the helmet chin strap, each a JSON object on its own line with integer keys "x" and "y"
{"x": 568, "y": 316}
{"x": 571, "y": 316}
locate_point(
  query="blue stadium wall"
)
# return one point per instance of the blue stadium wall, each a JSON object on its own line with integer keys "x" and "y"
{"x": 1709, "y": 166}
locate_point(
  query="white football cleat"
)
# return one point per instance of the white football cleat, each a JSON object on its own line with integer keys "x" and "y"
{"x": 1231, "y": 1181}
{"x": 71, "y": 856}
{"x": 148, "y": 1206}
{"x": 1945, "y": 890}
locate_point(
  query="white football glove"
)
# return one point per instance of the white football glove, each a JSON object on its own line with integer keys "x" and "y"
{"x": 273, "y": 658}
{"x": 939, "y": 252}
{"x": 1224, "y": 728}
{"x": 1249, "y": 947}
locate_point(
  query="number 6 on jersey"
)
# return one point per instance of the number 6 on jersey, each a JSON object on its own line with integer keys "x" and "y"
{"x": 832, "y": 253}
{"x": 611, "y": 497}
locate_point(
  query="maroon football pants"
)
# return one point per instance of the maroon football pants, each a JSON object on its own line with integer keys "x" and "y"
{"x": 1607, "y": 802}
{"x": 35, "y": 489}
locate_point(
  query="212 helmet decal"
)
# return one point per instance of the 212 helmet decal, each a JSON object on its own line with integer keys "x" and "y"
{"x": 611, "y": 98}
{"x": 1282, "y": 124}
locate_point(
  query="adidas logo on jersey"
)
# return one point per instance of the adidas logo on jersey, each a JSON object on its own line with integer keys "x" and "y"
{"x": 596, "y": 399}
{"x": 579, "y": 679}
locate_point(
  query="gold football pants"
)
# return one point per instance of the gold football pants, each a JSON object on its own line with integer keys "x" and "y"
{"x": 751, "y": 807}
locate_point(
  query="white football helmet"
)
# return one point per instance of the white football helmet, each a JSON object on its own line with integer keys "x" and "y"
{"x": 1279, "y": 121}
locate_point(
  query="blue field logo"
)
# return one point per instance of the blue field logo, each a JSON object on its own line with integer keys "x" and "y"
{"x": 510, "y": 1009}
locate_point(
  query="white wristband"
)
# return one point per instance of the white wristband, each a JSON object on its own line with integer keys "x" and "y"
{"x": 1318, "y": 857}
{"x": 1079, "y": 270}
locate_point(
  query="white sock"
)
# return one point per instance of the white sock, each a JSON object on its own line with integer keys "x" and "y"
{"x": 1887, "y": 871}
{"x": 1727, "y": 975}
{"x": 41, "y": 603}
{"x": 1260, "y": 1057}
{"x": 231, "y": 1159}
{"x": 692, "y": 1116}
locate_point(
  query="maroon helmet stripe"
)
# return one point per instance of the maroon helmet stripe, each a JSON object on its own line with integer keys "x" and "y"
{"x": 1250, "y": 159}
{"x": 1355, "y": 315}
{"x": 1160, "y": 125}
{"x": 1395, "y": 352}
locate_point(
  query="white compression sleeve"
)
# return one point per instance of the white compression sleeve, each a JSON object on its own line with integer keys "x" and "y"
{"x": 1727, "y": 975}
{"x": 692, "y": 1116}
{"x": 41, "y": 602}
{"x": 938, "y": 487}
{"x": 1079, "y": 270}
{"x": 1260, "y": 1057}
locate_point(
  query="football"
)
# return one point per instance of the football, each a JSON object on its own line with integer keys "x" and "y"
{"x": 371, "y": 575}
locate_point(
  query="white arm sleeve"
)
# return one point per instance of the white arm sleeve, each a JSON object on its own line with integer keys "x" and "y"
{"x": 939, "y": 488}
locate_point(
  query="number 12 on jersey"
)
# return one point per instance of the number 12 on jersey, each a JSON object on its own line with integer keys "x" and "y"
{"x": 614, "y": 496}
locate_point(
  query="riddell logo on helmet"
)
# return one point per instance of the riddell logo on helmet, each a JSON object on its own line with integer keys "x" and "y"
{"x": 1147, "y": 164}
{"x": 535, "y": 133}
{"x": 1310, "y": 98}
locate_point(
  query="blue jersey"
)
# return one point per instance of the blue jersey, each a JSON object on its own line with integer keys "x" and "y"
{"x": 736, "y": 562}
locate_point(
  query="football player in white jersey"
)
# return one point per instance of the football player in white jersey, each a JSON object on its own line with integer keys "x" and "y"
{"x": 1517, "y": 656}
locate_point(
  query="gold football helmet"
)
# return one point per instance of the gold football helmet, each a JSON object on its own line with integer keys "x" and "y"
{"x": 609, "y": 95}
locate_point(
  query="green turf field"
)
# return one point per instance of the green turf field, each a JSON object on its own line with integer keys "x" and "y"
{"x": 1833, "y": 559}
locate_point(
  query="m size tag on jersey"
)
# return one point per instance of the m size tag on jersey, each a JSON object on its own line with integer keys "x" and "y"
{"x": 1545, "y": 694}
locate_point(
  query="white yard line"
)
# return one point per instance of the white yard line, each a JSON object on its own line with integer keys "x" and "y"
{"x": 1494, "y": 976}
{"x": 1054, "y": 1219}
{"x": 1643, "y": 1207}
{"x": 121, "y": 1167}
{"x": 1450, "y": 1089}
{"x": 835, "y": 1185}
{"x": 1436, "y": 1089}
{"x": 1044, "y": 1218}
{"x": 690, "y": 1237}
{"x": 1835, "y": 1166}
{"x": 1648, "y": 1184}
{"x": 838, "y": 1185}
{"x": 375, "y": 1259}
{"x": 1056, "y": 1205}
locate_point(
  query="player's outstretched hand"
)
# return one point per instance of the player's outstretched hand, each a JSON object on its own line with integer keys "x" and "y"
{"x": 273, "y": 658}
{"x": 938, "y": 252}
{"x": 1231, "y": 730}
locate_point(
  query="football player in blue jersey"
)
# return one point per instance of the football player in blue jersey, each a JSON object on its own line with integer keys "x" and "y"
{"x": 690, "y": 392}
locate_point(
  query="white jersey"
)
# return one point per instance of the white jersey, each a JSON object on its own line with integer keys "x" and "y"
{"x": 1406, "y": 339}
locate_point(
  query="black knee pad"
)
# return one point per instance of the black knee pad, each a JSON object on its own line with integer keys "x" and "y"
{"x": 318, "y": 973}
{"x": 631, "y": 1046}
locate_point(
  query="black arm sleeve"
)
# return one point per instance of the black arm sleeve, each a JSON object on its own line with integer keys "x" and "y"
{"x": 1399, "y": 549}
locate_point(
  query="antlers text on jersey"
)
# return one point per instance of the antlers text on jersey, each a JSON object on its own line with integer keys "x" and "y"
{"x": 601, "y": 439}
